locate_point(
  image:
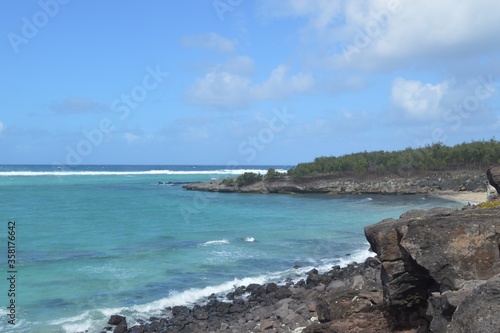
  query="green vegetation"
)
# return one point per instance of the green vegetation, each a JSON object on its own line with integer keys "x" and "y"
{"x": 229, "y": 182}
{"x": 273, "y": 174}
{"x": 248, "y": 178}
{"x": 476, "y": 155}
{"x": 491, "y": 204}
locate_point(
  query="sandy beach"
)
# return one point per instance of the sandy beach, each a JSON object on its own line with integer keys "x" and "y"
{"x": 464, "y": 197}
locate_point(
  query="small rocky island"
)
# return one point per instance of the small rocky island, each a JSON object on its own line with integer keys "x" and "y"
{"x": 424, "y": 184}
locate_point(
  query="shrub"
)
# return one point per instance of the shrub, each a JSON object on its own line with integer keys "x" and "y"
{"x": 248, "y": 178}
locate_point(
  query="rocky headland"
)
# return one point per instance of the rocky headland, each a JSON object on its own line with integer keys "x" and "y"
{"x": 435, "y": 271}
{"x": 426, "y": 184}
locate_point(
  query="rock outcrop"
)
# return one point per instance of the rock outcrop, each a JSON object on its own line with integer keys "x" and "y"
{"x": 479, "y": 311}
{"x": 493, "y": 175}
{"x": 434, "y": 261}
{"x": 329, "y": 184}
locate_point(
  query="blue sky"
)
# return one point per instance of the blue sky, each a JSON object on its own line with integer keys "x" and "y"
{"x": 243, "y": 81}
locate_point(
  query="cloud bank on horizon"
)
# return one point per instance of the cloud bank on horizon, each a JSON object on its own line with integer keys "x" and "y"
{"x": 243, "y": 82}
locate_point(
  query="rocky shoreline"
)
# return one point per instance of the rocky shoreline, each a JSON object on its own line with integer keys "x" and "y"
{"x": 435, "y": 271}
{"x": 449, "y": 181}
{"x": 290, "y": 307}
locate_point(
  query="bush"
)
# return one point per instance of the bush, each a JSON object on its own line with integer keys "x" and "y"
{"x": 248, "y": 178}
{"x": 229, "y": 182}
{"x": 273, "y": 174}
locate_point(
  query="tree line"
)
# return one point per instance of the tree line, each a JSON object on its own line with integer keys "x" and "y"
{"x": 476, "y": 155}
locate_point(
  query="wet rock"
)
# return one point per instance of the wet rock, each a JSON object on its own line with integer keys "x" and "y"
{"x": 121, "y": 327}
{"x": 180, "y": 310}
{"x": 115, "y": 319}
{"x": 252, "y": 286}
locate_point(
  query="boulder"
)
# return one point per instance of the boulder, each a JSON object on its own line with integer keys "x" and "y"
{"x": 479, "y": 311}
{"x": 434, "y": 251}
{"x": 323, "y": 311}
{"x": 180, "y": 310}
{"x": 456, "y": 248}
{"x": 493, "y": 175}
{"x": 115, "y": 319}
{"x": 121, "y": 327}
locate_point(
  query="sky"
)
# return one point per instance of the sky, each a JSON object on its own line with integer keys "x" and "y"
{"x": 243, "y": 82}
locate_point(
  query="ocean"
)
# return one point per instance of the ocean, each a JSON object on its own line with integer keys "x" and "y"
{"x": 92, "y": 241}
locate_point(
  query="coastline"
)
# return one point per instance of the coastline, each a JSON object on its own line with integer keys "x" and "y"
{"x": 358, "y": 291}
{"x": 390, "y": 292}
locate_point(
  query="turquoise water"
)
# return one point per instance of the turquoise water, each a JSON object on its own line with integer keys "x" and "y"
{"x": 100, "y": 240}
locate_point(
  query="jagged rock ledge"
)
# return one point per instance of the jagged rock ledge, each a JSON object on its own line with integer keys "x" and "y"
{"x": 463, "y": 181}
{"x": 435, "y": 271}
{"x": 441, "y": 268}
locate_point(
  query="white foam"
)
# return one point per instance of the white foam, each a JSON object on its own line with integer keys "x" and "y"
{"x": 79, "y": 323}
{"x": 84, "y": 316}
{"x": 129, "y": 173}
{"x": 91, "y": 319}
{"x": 358, "y": 256}
{"x": 215, "y": 242}
{"x": 194, "y": 295}
{"x": 78, "y": 327}
{"x": 250, "y": 239}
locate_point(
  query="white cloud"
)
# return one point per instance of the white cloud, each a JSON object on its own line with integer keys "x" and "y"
{"x": 375, "y": 34}
{"x": 220, "y": 89}
{"x": 280, "y": 85}
{"x": 433, "y": 30}
{"x": 224, "y": 87}
{"x": 2, "y": 127}
{"x": 210, "y": 41}
{"x": 418, "y": 100}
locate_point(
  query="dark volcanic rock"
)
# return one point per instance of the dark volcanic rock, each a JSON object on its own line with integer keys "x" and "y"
{"x": 318, "y": 328}
{"x": 271, "y": 287}
{"x": 438, "y": 251}
{"x": 180, "y": 310}
{"x": 493, "y": 175}
{"x": 122, "y": 327}
{"x": 323, "y": 311}
{"x": 115, "y": 319}
{"x": 479, "y": 312}
{"x": 283, "y": 292}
